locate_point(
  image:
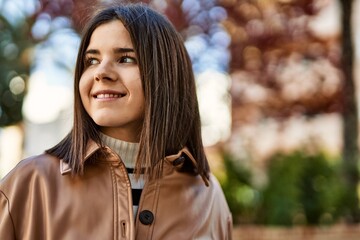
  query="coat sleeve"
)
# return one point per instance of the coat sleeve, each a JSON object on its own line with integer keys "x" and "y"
{"x": 6, "y": 224}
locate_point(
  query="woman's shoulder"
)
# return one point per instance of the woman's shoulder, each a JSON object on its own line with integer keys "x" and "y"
{"x": 42, "y": 165}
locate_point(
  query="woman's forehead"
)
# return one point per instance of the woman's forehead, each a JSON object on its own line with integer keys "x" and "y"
{"x": 111, "y": 34}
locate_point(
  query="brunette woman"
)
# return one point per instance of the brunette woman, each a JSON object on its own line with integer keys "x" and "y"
{"x": 133, "y": 165}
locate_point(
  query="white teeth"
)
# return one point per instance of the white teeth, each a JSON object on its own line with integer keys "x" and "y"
{"x": 108, "y": 95}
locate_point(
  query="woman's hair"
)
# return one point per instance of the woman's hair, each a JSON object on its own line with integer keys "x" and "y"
{"x": 171, "y": 119}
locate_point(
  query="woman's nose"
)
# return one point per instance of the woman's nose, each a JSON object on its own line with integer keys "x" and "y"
{"x": 105, "y": 71}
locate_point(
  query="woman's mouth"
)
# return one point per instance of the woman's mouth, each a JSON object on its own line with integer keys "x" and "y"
{"x": 108, "y": 95}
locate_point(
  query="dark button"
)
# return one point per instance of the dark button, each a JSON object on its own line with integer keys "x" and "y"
{"x": 178, "y": 161}
{"x": 146, "y": 217}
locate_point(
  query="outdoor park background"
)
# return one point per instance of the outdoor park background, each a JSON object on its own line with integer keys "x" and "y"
{"x": 278, "y": 93}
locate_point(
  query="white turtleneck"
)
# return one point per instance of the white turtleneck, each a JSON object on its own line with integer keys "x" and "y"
{"x": 128, "y": 152}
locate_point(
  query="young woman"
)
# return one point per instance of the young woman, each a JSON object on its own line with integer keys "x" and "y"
{"x": 133, "y": 165}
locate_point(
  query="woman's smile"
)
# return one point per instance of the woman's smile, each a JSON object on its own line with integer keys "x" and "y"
{"x": 108, "y": 95}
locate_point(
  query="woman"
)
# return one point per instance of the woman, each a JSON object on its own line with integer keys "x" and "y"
{"x": 133, "y": 165}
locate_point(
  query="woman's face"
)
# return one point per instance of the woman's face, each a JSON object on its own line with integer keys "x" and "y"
{"x": 110, "y": 86}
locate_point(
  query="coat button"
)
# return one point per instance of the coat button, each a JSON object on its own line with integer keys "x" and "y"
{"x": 146, "y": 217}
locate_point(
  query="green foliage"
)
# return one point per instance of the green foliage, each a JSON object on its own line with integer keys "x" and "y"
{"x": 322, "y": 190}
{"x": 241, "y": 196}
{"x": 302, "y": 189}
{"x": 281, "y": 196}
{"x": 14, "y": 69}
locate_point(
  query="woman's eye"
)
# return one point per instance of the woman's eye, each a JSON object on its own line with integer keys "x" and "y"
{"x": 127, "y": 59}
{"x": 92, "y": 61}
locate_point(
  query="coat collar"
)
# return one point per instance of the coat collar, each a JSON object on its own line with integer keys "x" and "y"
{"x": 177, "y": 160}
{"x": 92, "y": 147}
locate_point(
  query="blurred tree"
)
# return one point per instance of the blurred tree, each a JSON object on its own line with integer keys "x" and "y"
{"x": 350, "y": 114}
{"x": 279, "y": 65}
{"x": 282, "y": 67}
{"x": 15, "y": 57}
{"x": 17, "y": 42}
{"x": 199, "y": 22}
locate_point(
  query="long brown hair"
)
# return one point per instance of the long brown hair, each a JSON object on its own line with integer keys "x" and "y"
{"x": 172, "y": 119}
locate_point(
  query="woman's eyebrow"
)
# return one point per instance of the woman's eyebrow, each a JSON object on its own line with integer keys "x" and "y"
{"x": 116, "y": 50}
{"x": 92, "y": 51}
{"x": 123, "y": 50}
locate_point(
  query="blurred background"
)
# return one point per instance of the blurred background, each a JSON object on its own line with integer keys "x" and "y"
{"x": 278, "y": 92}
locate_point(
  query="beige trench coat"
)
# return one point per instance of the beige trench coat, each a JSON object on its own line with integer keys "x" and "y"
{"x": 40, "y": 199}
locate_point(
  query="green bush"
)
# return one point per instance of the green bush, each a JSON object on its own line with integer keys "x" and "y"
{"x": 280, "y": 197}
{"x": 302, "y": 189}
